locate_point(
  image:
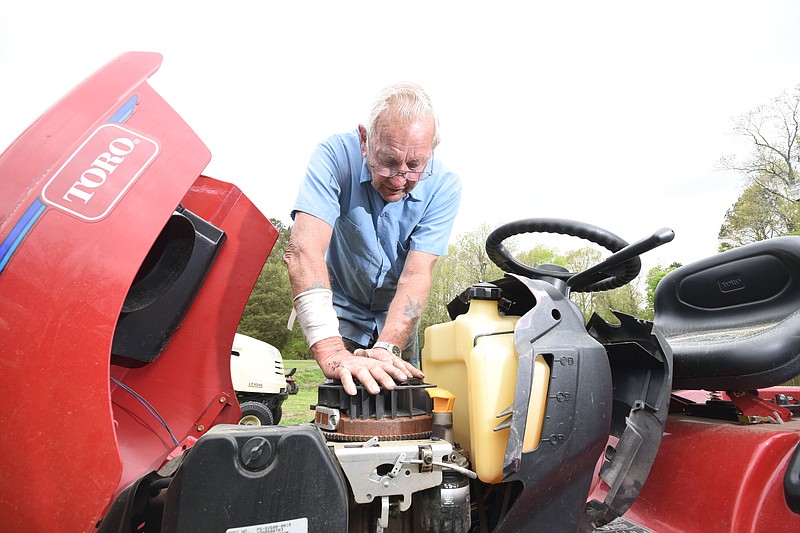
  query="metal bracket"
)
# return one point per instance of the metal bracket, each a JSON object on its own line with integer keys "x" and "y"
{"x": 385, "y": 469}
{"x": 206, "y": 420}
{"x": 756, "y": 410}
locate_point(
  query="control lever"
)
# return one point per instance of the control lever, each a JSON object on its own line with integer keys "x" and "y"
{"x": 601, "y": 270}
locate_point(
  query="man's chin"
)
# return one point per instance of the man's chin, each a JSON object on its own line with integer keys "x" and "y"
{"x": 394, "y": 196}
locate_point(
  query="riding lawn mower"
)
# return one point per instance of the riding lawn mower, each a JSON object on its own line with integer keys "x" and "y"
{"x": 124, "y": 271}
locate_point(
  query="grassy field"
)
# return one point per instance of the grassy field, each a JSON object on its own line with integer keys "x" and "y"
{"x": 296, "y": 408}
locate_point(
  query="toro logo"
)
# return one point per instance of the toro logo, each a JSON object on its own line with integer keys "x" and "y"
{"x": 94, "y": 178}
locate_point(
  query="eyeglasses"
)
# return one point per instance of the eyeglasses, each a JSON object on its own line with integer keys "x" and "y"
{"x": 408, "y": 175}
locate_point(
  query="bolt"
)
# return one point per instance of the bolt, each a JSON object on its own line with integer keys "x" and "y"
{"x": 201, "y": 427}
{"x": 222, "y": 399}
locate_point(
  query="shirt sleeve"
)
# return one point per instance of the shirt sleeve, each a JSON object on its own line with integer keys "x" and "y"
{"x": 321, "y": 189}
{"x": 432, "y": 234}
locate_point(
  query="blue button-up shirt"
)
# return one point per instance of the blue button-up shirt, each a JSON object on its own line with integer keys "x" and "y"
{"x": 371, "y": 238}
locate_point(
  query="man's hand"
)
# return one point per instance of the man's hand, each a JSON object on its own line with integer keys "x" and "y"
{"x": 371, "y": 367}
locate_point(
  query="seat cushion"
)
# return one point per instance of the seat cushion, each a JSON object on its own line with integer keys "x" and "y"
{"x": 732, "y": 319}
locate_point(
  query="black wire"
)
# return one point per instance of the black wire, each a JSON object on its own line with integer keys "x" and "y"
{"x": 147, "y": 406}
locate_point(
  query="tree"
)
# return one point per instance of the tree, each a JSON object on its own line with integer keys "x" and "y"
{"x": 770, "y": 172}
{"x": 540, "y": 255}
{"x": 268, "y": 308}
{"x": 654, "y": 277}
{"x": 758, "y": 214}
{"x": 466, "y": 263}
{"x": 576, "y": 261}
{"x": 626, "y": 299}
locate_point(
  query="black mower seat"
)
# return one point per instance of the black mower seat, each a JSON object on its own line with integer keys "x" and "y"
{"x": 733, "y": 319}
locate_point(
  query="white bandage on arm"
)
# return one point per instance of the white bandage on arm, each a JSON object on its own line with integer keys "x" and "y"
{"x": 316, "y": 315}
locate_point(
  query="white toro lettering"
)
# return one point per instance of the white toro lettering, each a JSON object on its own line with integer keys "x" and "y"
{"x": 94, "y": 178}
{"x": 104, "y": 165}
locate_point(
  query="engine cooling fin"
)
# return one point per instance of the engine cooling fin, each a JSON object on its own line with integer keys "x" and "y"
{"x": 403, "y": 413}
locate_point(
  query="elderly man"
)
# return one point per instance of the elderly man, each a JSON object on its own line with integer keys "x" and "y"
{"x": 373, "y": 214}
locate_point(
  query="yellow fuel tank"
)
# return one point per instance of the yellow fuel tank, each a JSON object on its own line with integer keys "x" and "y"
{"x": 474, "y": 357}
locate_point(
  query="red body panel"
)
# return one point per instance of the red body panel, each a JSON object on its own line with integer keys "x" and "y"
{"x": 715, "y": 475}
{"x": 719, "y": 476}
{"x": 71, "y": 441}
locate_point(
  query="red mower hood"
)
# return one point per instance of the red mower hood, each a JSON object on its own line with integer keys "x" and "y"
{"x": 119, "y": 261}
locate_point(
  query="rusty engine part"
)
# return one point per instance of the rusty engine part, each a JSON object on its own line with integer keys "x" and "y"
{"x": 400, "y": 414}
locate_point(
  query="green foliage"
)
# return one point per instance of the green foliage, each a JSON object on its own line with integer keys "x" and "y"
{"x": 465, "y": 264}
{"x": 626, "y": 299}
{"x": 767, "y": 207}
{"x": 542, "y": 255}
{"x": 654, "y": 277}
{"x": 758, "y": 214}
{"x": 268, "y": 308}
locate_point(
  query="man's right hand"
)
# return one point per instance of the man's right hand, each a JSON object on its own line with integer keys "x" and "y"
{"x": 373, "y": 367}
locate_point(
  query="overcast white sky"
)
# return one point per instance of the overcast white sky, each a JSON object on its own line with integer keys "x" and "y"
{"x": 613, "y": 113}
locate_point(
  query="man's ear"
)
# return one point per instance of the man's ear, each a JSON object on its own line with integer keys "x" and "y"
{"x": 362, "y": 138}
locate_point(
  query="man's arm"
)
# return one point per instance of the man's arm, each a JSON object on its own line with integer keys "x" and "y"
{"x": 409, "y": 300}
{"x": 305, "y": 260}
{"x": 305, "y": 255}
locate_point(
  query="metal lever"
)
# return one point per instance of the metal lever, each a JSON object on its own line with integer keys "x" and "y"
{"x": 600, "y": 270}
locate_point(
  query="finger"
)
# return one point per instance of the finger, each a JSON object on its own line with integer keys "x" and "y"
{"x": 407, "y": 368}
{"x": 344, "y": 375}
{"x": 396, "y": 369}
{"x": 383, "y": 377}
{"x": 398, "y": 365}
{"x": 379, "y": 355}
{"x": 365, "y": 376}
{"x": 413, "y": 371}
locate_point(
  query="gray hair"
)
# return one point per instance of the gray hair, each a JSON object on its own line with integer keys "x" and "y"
{"x": 408, "y": 102}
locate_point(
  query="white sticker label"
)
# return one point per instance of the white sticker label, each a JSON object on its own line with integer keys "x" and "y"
{"x": 298, "y": 525}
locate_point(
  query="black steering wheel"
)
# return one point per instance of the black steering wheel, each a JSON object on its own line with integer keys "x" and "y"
{"x": 600, "y": 281}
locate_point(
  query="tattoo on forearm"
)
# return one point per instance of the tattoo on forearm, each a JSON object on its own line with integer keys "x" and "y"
{"x": 412, "y": 309}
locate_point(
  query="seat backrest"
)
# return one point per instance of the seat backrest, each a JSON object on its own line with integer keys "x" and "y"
{"x": 733, "y": 319}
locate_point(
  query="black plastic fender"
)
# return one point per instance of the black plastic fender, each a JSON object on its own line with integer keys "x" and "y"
{"x": 556, "y": 476}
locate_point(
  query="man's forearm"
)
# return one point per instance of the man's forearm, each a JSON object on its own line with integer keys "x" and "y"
{"x": 409, "y": 301}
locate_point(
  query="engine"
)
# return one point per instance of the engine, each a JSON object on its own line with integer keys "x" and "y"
{"x": 396, "y": 450}
{"x": 421, "y": 457}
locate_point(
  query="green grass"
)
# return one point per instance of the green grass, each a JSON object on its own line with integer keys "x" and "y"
{"x": 296, "y": 408}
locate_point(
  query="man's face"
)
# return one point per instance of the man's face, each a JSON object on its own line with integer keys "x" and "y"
{"x": 397, "y": 147}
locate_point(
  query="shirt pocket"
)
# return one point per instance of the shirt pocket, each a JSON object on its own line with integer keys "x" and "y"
{"x": 353, "y": 259}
